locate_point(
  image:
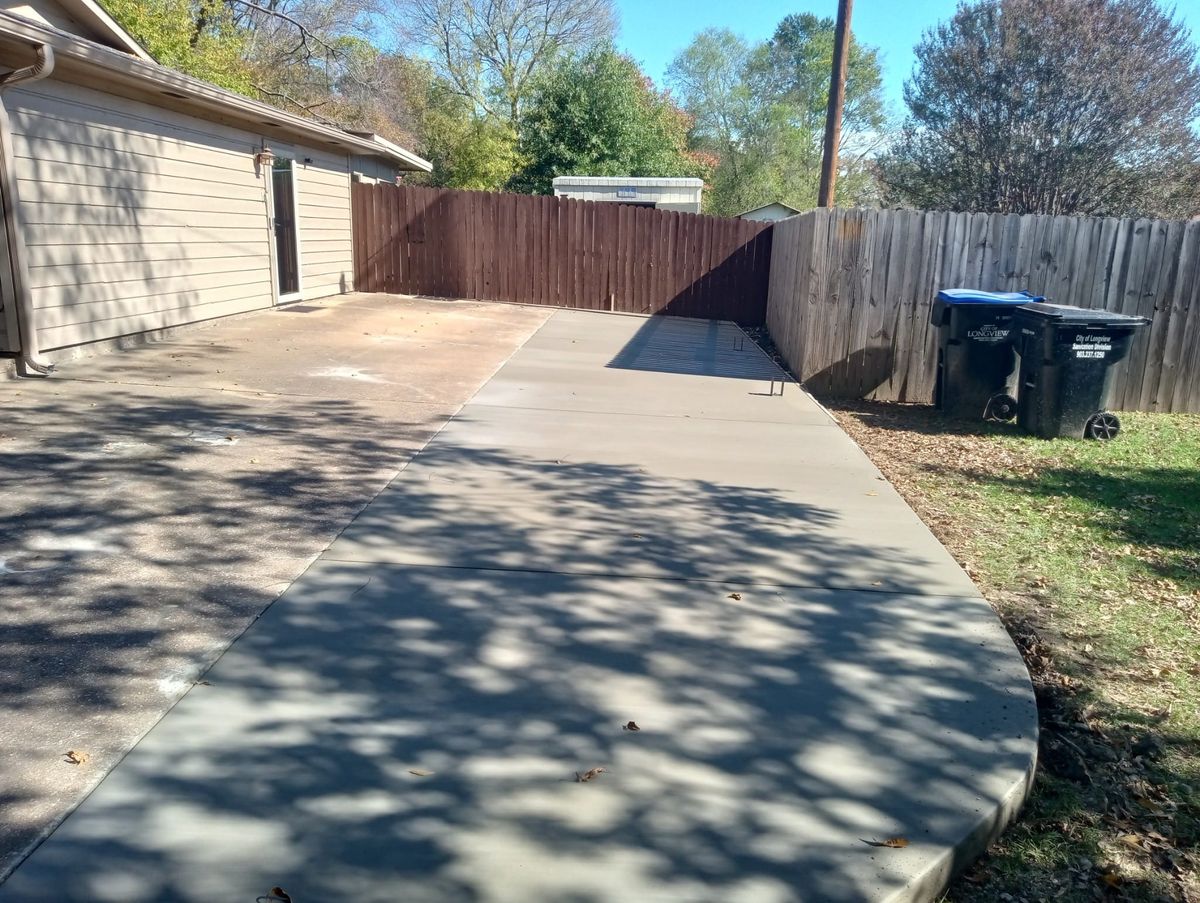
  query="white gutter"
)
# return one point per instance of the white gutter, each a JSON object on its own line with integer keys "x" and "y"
{"x": 29, "y": 361}
{"x": 107, "y": 69}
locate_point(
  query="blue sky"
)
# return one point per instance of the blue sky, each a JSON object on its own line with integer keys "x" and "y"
{"x": 653, "y": 31}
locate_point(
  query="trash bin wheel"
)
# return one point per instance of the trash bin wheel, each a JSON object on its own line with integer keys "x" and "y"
{"x": 1000, "y": 407}
{"x": 1103, "y": 426}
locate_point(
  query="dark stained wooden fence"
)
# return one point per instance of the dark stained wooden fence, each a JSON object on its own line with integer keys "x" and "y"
{"x": 559, "y": 252}
{"x": 851, "y": 292}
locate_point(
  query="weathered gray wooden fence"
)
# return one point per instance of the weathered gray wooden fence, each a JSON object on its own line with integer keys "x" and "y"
{"x": 850, "y": 293}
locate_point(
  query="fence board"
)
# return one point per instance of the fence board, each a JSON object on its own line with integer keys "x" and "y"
{"x": 850, "y": 292}
{"x": 568, "y": 253}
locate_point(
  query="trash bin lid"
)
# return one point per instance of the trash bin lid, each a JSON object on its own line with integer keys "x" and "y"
{"x": 974, "y": 296}
{"x": 1066, "y": 315}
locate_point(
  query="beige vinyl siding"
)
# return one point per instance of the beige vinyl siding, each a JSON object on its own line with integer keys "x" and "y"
{"x": 136, "y": 217}
{"x": 323, "y": 201}
{"x": 374, "y": 168}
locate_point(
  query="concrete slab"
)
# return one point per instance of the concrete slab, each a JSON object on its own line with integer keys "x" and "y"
{"x": 778, "y": 732}
{"x": 499, "y": 506}
{"x": 152, "y": 510}
{"x": 375, "y": 347}
{"x": 810, "y": 670}
{"x": 585, "y": 362}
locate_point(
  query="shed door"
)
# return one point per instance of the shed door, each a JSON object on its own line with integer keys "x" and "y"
{"x": 287, "y": 249}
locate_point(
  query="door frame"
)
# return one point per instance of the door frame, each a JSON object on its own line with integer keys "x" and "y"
{"x": 281, "y": 298}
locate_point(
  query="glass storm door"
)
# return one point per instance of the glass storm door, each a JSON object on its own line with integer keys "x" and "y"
{"x": 287, "y": 252}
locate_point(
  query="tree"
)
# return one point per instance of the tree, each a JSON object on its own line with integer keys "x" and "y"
{"x": 1052, "y": 106}
{"x": 492, "y": 51}
{"x": 310, "y": 56}
{"x": 467, "y": 150}
{"x": 760, "y": 109}
{"x": 599, "y": 115}
{"x": 198, "y": 38}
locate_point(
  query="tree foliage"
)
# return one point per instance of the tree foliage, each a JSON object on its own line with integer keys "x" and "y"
{"x": 1053, "y": 106}
{"x": 312, "y": 57}
{"x": 760, "y": 110}
{"x": 199, "y": 38}
{"x": 598, "y": 114}
{"x": 468, "y": 150}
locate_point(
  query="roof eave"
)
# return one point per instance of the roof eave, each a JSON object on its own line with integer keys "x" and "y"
{"x": 121, "y": 67}
{"x": 97, "y": 16}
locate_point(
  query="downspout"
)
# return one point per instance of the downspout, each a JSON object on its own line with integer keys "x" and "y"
{"x": 30, "y": 361}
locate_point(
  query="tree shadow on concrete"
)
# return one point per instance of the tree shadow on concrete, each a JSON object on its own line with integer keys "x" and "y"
{"x": 411, "y": 730}
{"x": 144, "y": 529}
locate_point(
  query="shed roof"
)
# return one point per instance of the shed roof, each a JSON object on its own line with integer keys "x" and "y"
{"x": 627, "y": 181}
{"x": 768, "y": 206}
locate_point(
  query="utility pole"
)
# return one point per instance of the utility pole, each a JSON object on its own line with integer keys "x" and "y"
{"x": 833, "y": 113}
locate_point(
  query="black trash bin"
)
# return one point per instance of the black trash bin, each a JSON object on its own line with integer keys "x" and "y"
{"x": 976, "y": 361}
{"x": 1067, "y": 355}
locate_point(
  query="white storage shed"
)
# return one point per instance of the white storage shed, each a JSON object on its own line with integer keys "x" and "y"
{"x": 665, "y": 194}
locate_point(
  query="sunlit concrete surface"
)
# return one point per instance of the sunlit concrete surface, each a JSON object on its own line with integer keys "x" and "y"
{"x": 627, "y": 523}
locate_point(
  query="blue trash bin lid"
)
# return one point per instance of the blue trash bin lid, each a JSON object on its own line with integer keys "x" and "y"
{"x": 974, "y": 296}
{"x": 939, "y": 313}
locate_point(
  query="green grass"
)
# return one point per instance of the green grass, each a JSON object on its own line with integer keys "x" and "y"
{"x": 1090, "y": 552}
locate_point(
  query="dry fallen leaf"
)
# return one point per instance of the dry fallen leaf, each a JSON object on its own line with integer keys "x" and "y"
{"x": 278, "y": 893}
{"x": 894, "y": 843}
{"x": 590, "y": 775}
{"x": 420, "y": 772}
{"x": 75, "y": 757}
{"x": 1112, "y": 878}
{"x": 736, "y": 597}
{"x": 631, "y": 726}
{"x": 872, "y": 492}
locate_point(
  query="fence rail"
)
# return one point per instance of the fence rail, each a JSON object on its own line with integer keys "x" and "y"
{"x": 560, "y": 252}
{"x": 850, "y": 293}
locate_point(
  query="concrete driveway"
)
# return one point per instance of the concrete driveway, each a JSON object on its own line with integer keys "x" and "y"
{"x": 155, "y": 501}
{"x": 624, "y": 525}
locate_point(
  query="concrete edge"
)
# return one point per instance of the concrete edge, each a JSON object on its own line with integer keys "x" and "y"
{"x": 206, "y": 665}
{"x": 938, "y": 876}
{"x": 940, "y": 873}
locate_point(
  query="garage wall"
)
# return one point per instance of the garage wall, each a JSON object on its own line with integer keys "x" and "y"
{"x": 136, "y": 217}
{"x": 323, "y": 209}
{"x": 374, "y": 168}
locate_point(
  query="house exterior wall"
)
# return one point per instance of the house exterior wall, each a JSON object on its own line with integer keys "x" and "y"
{"x": 323, "y": 217}
{"x": 139, "y": 218}
{"x": 374, "y": 168}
